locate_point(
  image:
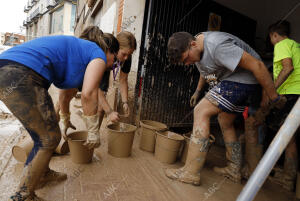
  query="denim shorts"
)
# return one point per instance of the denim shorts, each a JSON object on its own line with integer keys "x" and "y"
{"x": 233, "y": 97}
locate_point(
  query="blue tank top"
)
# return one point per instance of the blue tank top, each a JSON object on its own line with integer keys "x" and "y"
{"x": 62, "y": 60}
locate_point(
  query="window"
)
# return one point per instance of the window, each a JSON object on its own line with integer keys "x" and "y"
{"x": 57, "y": 21}
{"x": 73, "y": 14}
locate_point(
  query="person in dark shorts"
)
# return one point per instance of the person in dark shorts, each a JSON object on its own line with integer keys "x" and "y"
{"x": 235, "y": 72}
{"x": 286, "y": 74}
{"x": 26, "y": 72}
{"x": 127, "y": 43}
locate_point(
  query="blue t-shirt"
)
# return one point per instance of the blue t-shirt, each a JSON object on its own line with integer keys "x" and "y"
{"x": 62, "y": 60}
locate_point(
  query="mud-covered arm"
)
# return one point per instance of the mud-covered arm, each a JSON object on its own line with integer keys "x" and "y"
{"x": 260, "y": 72}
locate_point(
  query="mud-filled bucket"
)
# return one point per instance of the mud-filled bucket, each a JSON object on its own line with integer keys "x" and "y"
{"x": 167, "y": 146}
{"x": 187, "y": 137}
{"x": 120, "y": 139}
{"x": 23, "y": 148}
{"x": 148, "y": 134}
{"x": 79, "y": 153}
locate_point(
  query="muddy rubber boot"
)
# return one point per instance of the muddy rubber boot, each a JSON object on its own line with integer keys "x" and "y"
{"x": 23, "y": 195}
{"x": 286, "y": 177}
{"x": 29, "y": 198}
{"x": 190, "y": 172}
{"x": 286, "y": 181}
{"x": 253, "y": 154}
{"x": 34, "y": 198}
{"x": 234, "y": 156}
{"x": 31, "y": 176}
{"x": 51, "y": 176}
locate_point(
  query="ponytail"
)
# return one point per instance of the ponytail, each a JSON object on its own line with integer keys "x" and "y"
{"x": 106, "y": 41}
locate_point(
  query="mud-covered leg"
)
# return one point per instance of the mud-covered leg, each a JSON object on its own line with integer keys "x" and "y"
{"x": 199, "y": 145}
{"x": 233, "y": 148}
{"x": 36, "y": 113}
{"x": 287, "y": 177}
{"x": 253, "y": 150}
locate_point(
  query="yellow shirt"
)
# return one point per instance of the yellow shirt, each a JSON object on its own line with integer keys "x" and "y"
{"x": 287, "y": 48}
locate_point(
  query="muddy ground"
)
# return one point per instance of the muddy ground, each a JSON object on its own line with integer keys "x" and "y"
{"x": 137, "y": 178}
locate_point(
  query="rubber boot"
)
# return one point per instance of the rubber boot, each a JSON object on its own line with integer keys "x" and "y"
{"x": 190, "y": 172}
{"x": 234, "y": 156}
{"x": 51, "y": 176}
{"x": 31, "y": 176}
{"x": 34, "y": 198}
{"x": 253, "y": 154}
{"x": 288, "y": 176}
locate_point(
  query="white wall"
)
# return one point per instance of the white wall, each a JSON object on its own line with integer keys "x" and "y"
{"x": 132, "y": 21}
{"x": 133, "y": 16}
{"x": 107, "y": 16}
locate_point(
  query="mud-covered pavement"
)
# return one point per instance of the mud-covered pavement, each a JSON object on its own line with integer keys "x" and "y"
{"x": 137, "y": 178}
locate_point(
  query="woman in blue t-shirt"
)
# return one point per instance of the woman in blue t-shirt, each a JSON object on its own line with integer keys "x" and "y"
{"x": 127, "y": 44}
{"x": 26, "y": 72}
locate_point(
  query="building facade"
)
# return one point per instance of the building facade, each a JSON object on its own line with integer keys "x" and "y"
{"x": 49, "y": 17}
{"x": 13, "y": 39}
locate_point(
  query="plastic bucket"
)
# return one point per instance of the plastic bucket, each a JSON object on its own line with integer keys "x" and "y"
{"x": 186, "y": 146}
{"x": 24, "y": 147}
{"x": 148, "y": 134}
{"x": 167, "y": 146}
{"x": 120, "y": 139}
{"x": 79, "y": 153}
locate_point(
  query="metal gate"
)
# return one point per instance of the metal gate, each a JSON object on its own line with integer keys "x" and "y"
{"x": 163, "y": 90}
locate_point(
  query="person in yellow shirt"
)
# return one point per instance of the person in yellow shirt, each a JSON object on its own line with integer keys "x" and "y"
{"x": 286, "y": 74}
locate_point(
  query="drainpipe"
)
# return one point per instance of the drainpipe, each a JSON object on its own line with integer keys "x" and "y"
{"x": 271, "y": 156}
{"x": 143, "y": 69}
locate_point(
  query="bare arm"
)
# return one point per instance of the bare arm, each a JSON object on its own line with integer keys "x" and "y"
{"x": 124, "y": 86}
{"x": 103, "y": 102}
{"x": 201, "y": 83}
{"x": 92, "y": 77}
{"x": 287, "y": 69}
{"x": 260, "y": 72}
{"x": 65, "y": 97}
